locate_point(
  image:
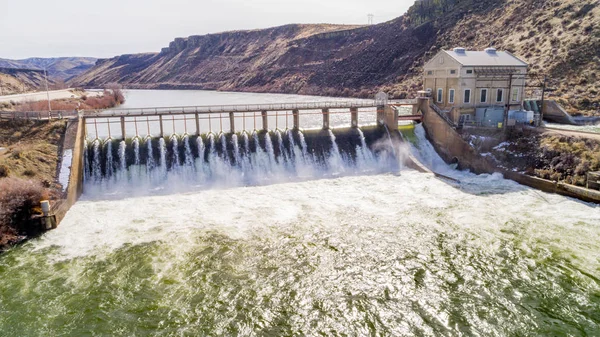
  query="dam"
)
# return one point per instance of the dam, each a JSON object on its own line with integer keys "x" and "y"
{"x": 357, "y": 244}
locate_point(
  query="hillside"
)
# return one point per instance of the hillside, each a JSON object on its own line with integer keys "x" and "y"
{"x": 59, "y": 68}
{"x": 14, "y": 81}
{"x": 558, "y": 38}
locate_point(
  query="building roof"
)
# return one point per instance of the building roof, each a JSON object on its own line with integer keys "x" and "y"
{"x": 488, "y": 58}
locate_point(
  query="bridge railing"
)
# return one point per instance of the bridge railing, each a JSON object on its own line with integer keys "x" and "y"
{"x": 38, "y": 115}
{"x": 216, "y": 122}
{"x": 229, "y": 108}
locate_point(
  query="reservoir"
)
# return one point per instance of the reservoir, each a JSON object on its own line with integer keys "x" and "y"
{"x": 335, "y": 246}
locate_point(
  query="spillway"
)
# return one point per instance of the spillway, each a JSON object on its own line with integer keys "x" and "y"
{"x": 171, "y": 163}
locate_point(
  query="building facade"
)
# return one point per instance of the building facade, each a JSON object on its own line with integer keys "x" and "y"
{"x": 476, "y": 84}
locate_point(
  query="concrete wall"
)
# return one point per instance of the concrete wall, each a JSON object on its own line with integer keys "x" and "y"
{"x": 451, "y": 147}
{"x": 449, "y": 144}
{"x": 555, "y": 113}
{"x": 75, "y": 188}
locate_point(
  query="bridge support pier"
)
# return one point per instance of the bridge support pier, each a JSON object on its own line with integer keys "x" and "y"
{"x": 391, "y": 117}
{"x": 123, "y": 134}
{"x": 296, "y": 115}
{"x": 232, "y": 122}
{"x": 325, "y": 118}
{"x": 265, "y": 120}
{"x": 380, "y": 115}
{"x": 354, "y": 117}
{"x": 160, "y": 120}
{"x": 197, "y": 118}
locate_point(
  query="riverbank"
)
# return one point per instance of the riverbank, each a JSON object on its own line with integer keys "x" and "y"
{"x": 64, "y": 100}
{"x": 557, "y": 155}
{"x": 29, "y": 170}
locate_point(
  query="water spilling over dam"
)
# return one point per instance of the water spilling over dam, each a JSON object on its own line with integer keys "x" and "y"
{"x": 247, "y": 158}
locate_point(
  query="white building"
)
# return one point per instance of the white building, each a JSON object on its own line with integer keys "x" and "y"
{"x": 477, "y": 85}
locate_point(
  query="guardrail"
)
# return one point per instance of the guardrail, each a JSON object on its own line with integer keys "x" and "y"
{"x": 229, "y": 108}
{"x": 38, "y": 115}
{"x": 208, "y": 109}
{"x": 443, "y": 115}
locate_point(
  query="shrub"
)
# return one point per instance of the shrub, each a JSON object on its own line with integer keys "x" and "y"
{"x": 19, "y": 200}
{"x": 4, "y": 171}
{"x": 29, "y": 173}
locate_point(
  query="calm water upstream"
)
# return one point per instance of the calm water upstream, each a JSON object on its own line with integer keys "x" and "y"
{"x": 364, "y": 254}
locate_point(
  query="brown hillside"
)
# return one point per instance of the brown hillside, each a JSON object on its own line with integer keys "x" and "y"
{"x": 14, "y": 81}
{"x": 558, "y": 38}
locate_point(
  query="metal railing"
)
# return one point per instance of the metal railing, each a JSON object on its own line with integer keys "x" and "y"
{"x": 38, "y": 115}
{"x": 229, "y": 108}
{"x": 443, "y": 114}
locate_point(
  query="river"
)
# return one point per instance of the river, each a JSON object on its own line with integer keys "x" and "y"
{"x": 373, "y": 253}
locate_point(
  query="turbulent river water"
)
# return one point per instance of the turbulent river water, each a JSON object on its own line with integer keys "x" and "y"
{"x": 392, "y": 253}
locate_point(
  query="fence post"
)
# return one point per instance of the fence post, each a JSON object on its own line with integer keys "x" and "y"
{"x": 265, "y": 120}
{"x": 123, "y": 128}
{"x": 232, "y": 122}
{"x": 325, "y": 118}
{"x": 197, "y": 124}
{"x": 354, "y": 117}
{"x": 296, "y": 114}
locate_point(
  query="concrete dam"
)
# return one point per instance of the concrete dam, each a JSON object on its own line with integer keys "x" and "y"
{"x": 236, "y": 159}
{"x": 191, "y": 148}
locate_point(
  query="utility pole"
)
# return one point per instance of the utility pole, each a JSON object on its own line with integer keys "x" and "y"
{"x": 543, "y": 94}
{"x": 508, "y": 98}
{"x": 47, "y": 92}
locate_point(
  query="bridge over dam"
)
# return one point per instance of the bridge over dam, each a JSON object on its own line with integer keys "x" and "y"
{"x": 239, "y": 144}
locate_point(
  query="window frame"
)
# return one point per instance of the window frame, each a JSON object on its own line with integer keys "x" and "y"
{"x": 516, "y": 92}
{"x": 453, "y": 71}
{"x": 429, "y": 72}
{"x": 481, "y": 95}
{"x": 465, "y": 96}
{"x": 469, "y": 71}
{"x": 439, "y": 97}
{"x": 451, "y": 96}
{"x": 500, "y": 90}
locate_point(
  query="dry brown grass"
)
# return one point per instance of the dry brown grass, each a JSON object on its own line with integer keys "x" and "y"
{"x": 28, "y": 167}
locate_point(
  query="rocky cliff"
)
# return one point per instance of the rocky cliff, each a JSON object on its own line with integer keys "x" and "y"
{"x": 558, "y": 38}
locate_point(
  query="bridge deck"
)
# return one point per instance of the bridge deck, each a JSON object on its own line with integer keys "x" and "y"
{"x": 136, "y": 112}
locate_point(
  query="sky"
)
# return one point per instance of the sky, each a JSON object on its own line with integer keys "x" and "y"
{"x": 106, "y": 28}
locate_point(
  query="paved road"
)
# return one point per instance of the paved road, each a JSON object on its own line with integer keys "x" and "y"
{"x": 571, "y": 133}
{"x": 41, "y": 96}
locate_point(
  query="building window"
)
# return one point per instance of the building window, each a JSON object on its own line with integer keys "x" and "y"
{"x": 515, "y": 95}
{"x": 451, "y": 96}
{"x": 467, "y": 96}
{"x": 483, "y": 98}
{"x": 430, "y": 72}
{"x": 453, "y": 72}
{"x": 470, "y": 71}
{"x": 500, "y": 95}
{"x": 441, "y": 60}
{"x": 440, "y": 95}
